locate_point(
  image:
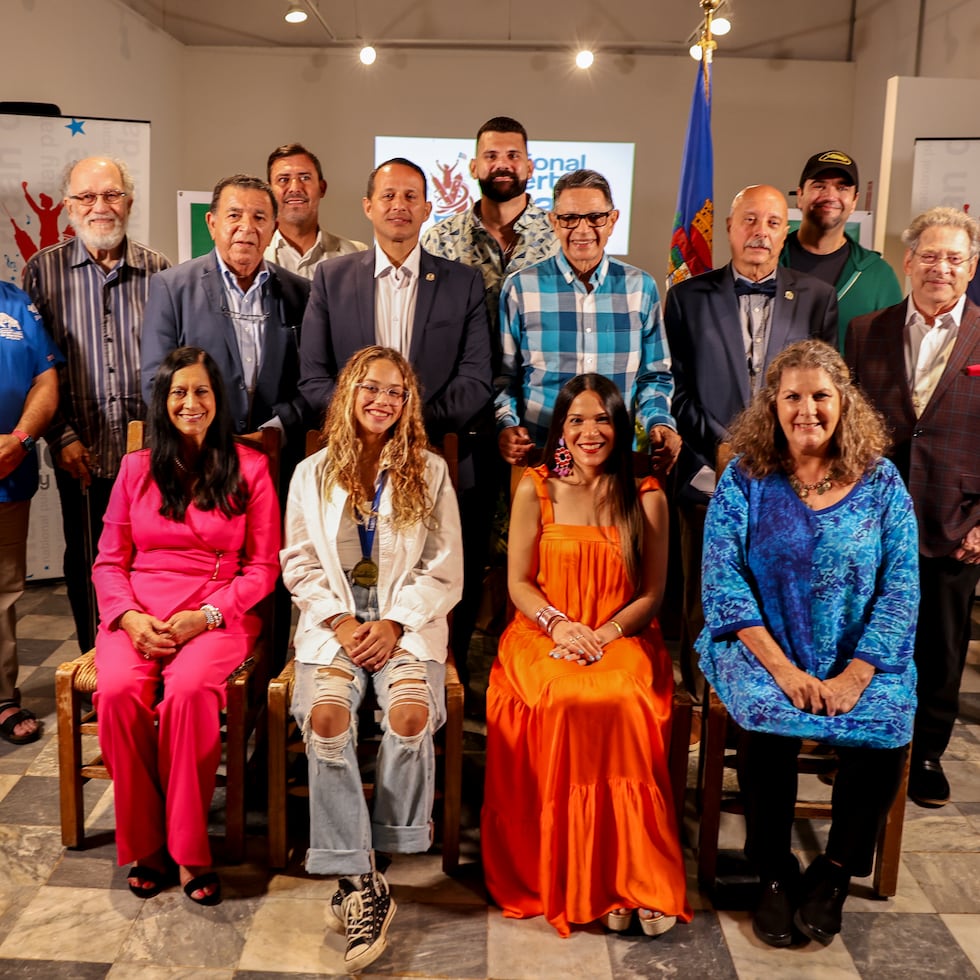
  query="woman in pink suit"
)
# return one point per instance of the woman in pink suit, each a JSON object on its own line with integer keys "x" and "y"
{"x": 190, "y": 545}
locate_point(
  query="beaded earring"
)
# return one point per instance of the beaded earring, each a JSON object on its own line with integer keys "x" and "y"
{"x": 563, "y": 459}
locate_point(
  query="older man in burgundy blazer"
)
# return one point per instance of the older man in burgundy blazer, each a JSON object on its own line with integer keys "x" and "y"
{"x": 919, "y": 362}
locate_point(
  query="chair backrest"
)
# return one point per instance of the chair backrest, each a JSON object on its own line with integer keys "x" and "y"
{"x": 269, "y": 440}
{"x": 723, "y": 456}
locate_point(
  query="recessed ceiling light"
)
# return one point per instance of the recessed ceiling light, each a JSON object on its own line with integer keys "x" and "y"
{"x": 368, "y": 55}
{"x": 584, "y": 58}
{"x": 296, "y": 14}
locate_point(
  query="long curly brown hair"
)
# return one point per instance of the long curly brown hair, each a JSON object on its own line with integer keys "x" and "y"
{"x": 859, "y": 439}
{"x": 403, "y": 455}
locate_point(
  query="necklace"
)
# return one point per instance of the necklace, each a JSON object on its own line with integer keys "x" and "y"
{"x": 803, "y": 490}
{"x": 180, "y": 464}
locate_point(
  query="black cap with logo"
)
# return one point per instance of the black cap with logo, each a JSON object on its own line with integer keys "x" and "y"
{"x": 821, "y": 163}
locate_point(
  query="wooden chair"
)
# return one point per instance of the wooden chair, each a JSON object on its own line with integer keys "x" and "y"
{"x": 76, "y": 681}
{"x": 287, "y": 751}
{"x": 719, "y": 755}
{"x": 719, "y": 735}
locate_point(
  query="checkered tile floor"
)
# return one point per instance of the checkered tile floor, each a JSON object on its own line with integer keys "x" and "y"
{"x": 68, "y": 914}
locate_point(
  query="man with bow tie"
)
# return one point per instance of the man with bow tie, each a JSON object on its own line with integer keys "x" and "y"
{"x": 724, "y": 327}
{"x": 919, "y": 363}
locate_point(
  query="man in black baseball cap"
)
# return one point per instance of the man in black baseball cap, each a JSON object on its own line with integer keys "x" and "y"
{"x": 827, "y": 195}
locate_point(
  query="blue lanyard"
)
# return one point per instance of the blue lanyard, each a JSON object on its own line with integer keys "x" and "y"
{"x": 366, "y": 530}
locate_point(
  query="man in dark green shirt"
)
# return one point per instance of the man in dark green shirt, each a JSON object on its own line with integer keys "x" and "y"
{"x": 827, "y": 196}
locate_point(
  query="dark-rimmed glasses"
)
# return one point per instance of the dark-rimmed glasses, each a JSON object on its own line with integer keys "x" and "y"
{"x": 88, "y": 199}
{"x": 595, "y": 219}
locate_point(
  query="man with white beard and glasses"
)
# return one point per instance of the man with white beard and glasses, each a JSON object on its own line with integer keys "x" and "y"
{"x": 90, "y": 291}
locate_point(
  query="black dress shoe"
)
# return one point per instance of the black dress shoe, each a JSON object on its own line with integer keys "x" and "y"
{"x": 928, "y": 785}
{"x": 772, "y": 920}
{"x": 824, "y": 889}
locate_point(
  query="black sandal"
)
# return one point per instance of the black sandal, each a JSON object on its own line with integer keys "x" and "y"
{"x": 201, "y": 882}
{"x": 159, "y": 879}
{"x": 8, "y": 725}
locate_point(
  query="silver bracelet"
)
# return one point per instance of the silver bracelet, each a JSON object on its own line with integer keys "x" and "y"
{"x": 212, "y": 616}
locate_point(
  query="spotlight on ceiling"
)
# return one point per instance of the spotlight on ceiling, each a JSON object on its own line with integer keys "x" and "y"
{"x": 584, "y": 59}
{"x": 295, "y": 15}
{"x": 721, "y": 26}
{"x": 696, "y": 53}
{"x": 368, "y": 55}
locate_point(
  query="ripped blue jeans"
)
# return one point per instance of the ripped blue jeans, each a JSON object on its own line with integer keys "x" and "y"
{"x": 343, "y": 833}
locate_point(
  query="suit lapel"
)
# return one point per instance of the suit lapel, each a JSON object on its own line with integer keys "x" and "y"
{"x": 215, "y": 291}
{"x": 424, "y": 298}
{"x": 273, "y": 347}
{"x": 364, "y": 329}
{"x": 894, "y": 339}
{"x": 723, "y": 307}
{"x": 967, "y": 338}
{"x": 785, "y": 309}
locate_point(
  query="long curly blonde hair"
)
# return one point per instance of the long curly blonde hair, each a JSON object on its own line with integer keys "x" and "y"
{"x": 859, "y": 439}
{"x": 403, "y": 455}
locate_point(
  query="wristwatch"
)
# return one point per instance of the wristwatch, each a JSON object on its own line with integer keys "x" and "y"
{"x": 27, "y": 441}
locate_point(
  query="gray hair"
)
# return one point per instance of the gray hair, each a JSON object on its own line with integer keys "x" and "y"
{"x": 942, "y": 218}
{"x": 128, "y": 184}
{"x": 588, "y": 179}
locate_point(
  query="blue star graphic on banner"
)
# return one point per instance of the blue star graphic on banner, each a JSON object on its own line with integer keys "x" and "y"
{"x": 76, "y": 127}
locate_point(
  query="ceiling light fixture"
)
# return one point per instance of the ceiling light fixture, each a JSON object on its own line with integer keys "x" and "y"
{"x": 584, "y": 59}
{"x": 368, "y": 55}
{"x": 295, "y": 15}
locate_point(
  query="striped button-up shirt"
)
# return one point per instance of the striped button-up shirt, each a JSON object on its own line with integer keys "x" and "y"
{"x": 553, "y": 328}
{"x": 95, "y": 318}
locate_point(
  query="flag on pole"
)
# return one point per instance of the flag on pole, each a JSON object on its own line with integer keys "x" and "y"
{"x": 690, "y": 244}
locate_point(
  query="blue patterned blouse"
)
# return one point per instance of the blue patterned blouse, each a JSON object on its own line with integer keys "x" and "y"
{"x": 829, "y": 585}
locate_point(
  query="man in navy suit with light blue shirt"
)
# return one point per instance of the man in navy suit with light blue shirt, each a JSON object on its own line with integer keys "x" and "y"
{"x": 724, "y": 327}
{"x": 245, "y": 312}
{"x": 398, "y": 295}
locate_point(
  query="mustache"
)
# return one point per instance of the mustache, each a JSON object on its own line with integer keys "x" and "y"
{"x": 757, "y": 243}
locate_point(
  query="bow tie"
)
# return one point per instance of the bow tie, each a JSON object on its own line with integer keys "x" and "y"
{"x": 744, "y": 288}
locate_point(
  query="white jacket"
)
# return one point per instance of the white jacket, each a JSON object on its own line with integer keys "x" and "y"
{"x": 420, "y": 570}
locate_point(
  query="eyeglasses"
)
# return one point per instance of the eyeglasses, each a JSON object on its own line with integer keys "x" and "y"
{"x": 372, "y": 391}
{"x": 596, "y": 219}
{"x": 953, "y": 259}
{"x": 88, "y": 199}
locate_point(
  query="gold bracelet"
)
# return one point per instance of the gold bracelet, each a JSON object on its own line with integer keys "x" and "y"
{"x": 619, "y": 629}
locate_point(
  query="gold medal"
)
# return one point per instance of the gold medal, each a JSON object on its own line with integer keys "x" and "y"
{"x": 364, "y": 573}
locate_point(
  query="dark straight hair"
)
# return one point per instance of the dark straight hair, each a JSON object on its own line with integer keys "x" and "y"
{"x": 219, "y": 483}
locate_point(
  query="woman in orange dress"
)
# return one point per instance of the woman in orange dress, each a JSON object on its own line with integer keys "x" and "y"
{"x": 578, "y": 820}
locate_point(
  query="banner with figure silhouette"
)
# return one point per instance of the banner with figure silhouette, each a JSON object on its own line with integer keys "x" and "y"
{"x": 34, "y": 151}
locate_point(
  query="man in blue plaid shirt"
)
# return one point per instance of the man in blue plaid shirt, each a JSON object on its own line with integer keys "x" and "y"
{"x": 582, "y": 311}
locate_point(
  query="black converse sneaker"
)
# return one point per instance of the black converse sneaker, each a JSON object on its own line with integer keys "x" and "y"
{"x": 367, "y": 910}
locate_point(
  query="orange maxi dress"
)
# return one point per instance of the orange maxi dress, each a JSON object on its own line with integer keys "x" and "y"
{"x": 578, "y": 816}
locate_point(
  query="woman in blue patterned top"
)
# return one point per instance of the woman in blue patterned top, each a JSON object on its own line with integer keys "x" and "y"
{"x": 810, "y": 590}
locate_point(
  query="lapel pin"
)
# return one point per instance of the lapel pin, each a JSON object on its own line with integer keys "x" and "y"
{"x": 788, "y": 294}
{"x": 430, "y": 277}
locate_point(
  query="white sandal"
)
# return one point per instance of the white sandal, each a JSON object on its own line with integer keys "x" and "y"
{"x": 617, "y": 920}
{"x": 655, "y": 923}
